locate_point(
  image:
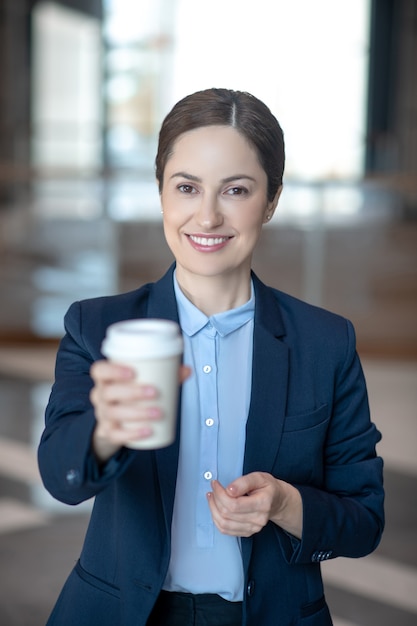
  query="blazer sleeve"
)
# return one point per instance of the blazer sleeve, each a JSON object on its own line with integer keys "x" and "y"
{"x": 67, "y": 465}
{"x": 345, "y": 515}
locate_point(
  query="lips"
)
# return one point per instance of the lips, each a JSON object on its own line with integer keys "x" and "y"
{"x": 208, "y": 243}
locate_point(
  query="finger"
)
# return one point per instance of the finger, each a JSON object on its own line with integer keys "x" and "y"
{"x": 125, "y": 392}
{"x": 122, "y": 403}
{"x": 247, "y": 484}
{"x": 107, "y": 371}
{"x": 114, "y": 433}
{"x": 237, "y": 526}
{"x": 220, "y": 495}
{"x": 185, "y": 372}
{"x": 129, "y": 414}
{"x": 225, "y": 504}
{"x": 219, "y": 515}
{"x": 127, "y": 417}
{"x": 229, "y": 496}
{"x": 217, "y": 500}
{"x": 252, "y": 504}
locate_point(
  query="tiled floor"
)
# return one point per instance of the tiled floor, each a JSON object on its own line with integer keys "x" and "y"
{"x": 366, "y": 270}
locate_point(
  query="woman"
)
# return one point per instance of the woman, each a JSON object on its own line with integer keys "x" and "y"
{"x": 274, "y": 467}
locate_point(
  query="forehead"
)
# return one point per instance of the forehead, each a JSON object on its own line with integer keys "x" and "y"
{"x": 209, "y": 146}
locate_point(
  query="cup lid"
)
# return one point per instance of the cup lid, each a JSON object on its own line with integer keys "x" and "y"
{"x": 142, "y": 338}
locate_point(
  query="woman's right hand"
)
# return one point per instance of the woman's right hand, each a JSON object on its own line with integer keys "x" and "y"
{"x": 123, "y": 407}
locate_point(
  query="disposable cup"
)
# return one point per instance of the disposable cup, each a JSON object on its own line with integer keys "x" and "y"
{"x": 153, "y": 348}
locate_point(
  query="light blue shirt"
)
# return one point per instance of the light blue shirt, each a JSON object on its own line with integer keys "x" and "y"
{"x": 215, "y": 405}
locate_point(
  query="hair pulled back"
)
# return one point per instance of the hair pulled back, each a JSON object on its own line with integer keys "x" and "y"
{"x": 225, "y": 107}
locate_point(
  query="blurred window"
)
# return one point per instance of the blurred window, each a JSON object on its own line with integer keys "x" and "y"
{"x": 66, "y": 88}
{"x": 307, "y": 60}
{"x": 102, "y": 90}
{"x": 138, "y": 50}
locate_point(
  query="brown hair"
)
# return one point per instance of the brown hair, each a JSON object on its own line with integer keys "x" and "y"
{"x": 225, "y": 107}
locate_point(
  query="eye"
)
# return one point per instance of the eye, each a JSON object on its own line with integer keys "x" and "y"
{"x": 185, "y": 188}
{"x": 236, "y": 191}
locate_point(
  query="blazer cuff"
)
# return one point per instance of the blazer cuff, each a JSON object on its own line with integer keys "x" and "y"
{"x": 103, "y": 472}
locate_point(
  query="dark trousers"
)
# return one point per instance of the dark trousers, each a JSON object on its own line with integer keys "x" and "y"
{"x": 187, "y": 609}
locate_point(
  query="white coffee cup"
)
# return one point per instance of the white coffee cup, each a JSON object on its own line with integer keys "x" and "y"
{"x": 153, "y": 348}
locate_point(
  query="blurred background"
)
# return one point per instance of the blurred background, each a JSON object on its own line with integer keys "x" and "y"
{"x": 84, "y": 86}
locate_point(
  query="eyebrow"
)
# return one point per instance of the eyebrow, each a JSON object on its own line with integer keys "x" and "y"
{"x": 196, "y": 179}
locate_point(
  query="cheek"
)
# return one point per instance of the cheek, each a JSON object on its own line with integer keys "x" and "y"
{"x": 173, "y": 223}
{"x": 171, "y": 239}
{"x": 172, "y": 204}
{"x": 253, "y": 220}
{"x": 172, "y": 219}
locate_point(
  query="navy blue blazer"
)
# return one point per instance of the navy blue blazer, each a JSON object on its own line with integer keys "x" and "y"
{"x": 308, "y": 424}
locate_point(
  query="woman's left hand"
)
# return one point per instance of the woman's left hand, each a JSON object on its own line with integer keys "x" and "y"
{"x": 245, "y": 506}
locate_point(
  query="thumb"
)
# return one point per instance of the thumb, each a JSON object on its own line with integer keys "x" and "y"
{"x": 245, "y": 485}
{"x": 239, "y": 487}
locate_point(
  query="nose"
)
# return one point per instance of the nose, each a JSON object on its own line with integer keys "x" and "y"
{"x": 209, "y": 214}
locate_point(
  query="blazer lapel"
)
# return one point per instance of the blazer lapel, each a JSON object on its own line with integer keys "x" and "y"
{"x": 269, "y": 384}
{"x": 162, "y": 304}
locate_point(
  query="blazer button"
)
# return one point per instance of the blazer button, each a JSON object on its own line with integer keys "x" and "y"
{"x": 321, "y": 555}
{"x": 250, "y": 589}
{"x": 73, "y": 477}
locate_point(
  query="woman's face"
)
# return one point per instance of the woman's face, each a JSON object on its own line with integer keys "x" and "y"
{"x": 214, "y": 202}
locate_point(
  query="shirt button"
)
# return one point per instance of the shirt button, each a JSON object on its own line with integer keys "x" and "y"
{"x": 207, "y": 369}
{"x": 209, "y": 422}
{"x": 208, "y": 475}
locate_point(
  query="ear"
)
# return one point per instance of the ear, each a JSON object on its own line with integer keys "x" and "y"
{"x": 271, "y": 206}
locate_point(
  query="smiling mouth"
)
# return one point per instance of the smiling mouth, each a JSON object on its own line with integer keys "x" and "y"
{"x": 208, "y": 241}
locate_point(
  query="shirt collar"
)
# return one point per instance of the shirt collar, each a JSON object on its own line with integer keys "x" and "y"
{"x": 192, "y": 320}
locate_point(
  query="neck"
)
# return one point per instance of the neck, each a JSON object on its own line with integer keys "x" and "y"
{"x": 215, "y": 294}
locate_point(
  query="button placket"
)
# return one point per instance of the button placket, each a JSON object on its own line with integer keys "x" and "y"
{"x": 208, "y": 435}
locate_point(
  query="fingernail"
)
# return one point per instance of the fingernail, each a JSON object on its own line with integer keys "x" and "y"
{"x": 127, "y": 372}
{"x": 149, "y": 392}
{"x": 145, "y": 432}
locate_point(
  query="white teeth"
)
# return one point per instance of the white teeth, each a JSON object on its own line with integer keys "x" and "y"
{"x": 208, "y": 241}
